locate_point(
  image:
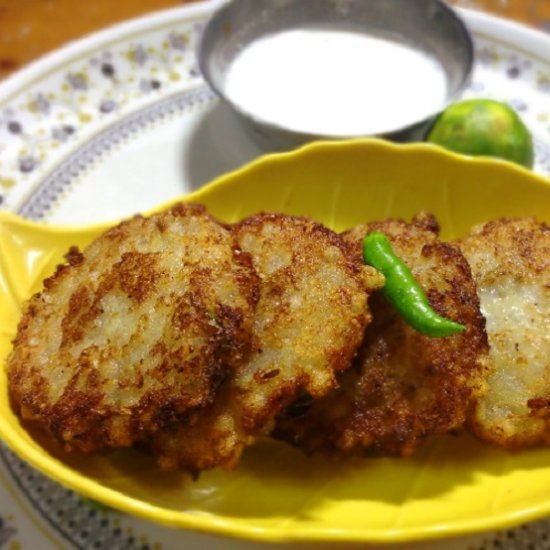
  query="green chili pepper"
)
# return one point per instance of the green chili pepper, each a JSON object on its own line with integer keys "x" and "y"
{"x": 402, "y": 289}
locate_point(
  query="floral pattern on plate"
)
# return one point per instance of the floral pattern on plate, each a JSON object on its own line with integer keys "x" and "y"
{"x": 50, "y": 118}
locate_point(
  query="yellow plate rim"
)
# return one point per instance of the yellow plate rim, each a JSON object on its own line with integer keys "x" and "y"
{"x": 48, "y": 465}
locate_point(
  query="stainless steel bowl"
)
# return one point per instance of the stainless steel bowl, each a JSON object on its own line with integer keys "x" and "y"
{"x": 427, "y": 25}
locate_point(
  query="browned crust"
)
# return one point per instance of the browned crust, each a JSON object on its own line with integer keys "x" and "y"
{"x": 404, "y": 386}
{"x": 506, "y": 254}
{"x": 309, "y": 322}
{"x": 191, "y": 317}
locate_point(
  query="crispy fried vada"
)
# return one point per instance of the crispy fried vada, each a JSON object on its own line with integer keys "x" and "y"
{"x": 404, "y": 386}
{"x": 309, "y": 322}
{"x": 510, "y": 261}
{"x": 135, "y": 331}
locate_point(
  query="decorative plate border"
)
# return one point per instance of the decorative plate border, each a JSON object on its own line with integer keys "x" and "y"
{"x": 37, "y": 205}
{"x": 79, "y": 521}
{"x": 57, "y": 104}
{"x": 490, "y": 57}
{"x": 106, "y": 95}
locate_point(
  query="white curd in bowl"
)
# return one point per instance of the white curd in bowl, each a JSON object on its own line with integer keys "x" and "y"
{"x": 335, "y": 82}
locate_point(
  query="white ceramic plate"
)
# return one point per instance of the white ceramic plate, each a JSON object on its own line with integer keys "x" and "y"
{"x": 120, "y": 121}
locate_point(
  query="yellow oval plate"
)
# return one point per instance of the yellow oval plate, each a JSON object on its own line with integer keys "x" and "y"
{"x": 454, "y": 485}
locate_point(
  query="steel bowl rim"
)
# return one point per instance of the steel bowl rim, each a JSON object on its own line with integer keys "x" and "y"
{"x": 469, "y": 56}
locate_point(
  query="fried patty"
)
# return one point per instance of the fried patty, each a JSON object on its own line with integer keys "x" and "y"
{"x": 309, "y": 322}
{"x": 404, "y": 386}
{"x": 134, "y": 332}
{"x": 510, "y": 261}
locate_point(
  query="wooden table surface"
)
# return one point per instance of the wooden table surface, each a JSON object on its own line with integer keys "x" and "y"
{"x": 30, "y": 28}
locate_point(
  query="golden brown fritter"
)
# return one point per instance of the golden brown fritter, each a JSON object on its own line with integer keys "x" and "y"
{"x": 510, "y": 261}
{"x": 134, "y": 332}
{"x": 403, "y": 386}
{"x": 309, "y": 322}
